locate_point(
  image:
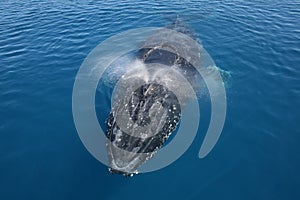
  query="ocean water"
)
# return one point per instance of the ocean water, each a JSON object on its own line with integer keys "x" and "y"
{"x": 42, "y": 45}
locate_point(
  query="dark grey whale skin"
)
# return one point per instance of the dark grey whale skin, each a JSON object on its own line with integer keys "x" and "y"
{"x": 160, "y": 94}
{"x": 149, "y": 146}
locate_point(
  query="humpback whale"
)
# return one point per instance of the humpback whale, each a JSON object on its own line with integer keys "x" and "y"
{"x": 145, "y": 111}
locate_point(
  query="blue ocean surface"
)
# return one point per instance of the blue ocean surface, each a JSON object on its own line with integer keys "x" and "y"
{"x": 42, "y": 46}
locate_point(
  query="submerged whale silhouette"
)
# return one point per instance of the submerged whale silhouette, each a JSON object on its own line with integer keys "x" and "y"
{"x": 140, "y": 122}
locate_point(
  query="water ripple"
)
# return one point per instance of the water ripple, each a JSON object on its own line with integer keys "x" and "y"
{"x": 43, "y": 43}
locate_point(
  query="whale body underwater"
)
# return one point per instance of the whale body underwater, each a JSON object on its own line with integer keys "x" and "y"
{"x": 142, "y": 119}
